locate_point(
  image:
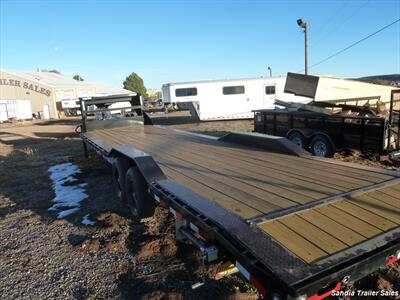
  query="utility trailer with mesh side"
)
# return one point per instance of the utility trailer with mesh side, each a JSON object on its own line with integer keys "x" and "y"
{"x": 296, "y": 226}
{"x": 323, "y": 134}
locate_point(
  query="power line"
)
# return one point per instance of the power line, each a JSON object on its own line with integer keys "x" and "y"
{"x": 335, "y": 29}
{"x": 352, "y": 45}
{"x": 333, "y": 17}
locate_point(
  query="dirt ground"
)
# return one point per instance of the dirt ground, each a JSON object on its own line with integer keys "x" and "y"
{"x": 42, "y": 257}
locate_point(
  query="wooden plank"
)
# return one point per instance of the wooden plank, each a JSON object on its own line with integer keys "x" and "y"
{"x": 307, "y": 188}
{"x": 256, "y": 158}
{"x": 389, "y": 174}
{"x": 391, "y": 192}
{"x": 316, "y": 164}
{"x": 261, "y": 186}
{"x": 294, "y": 169}
{"x": 222, "y": 199}
{"x": 221, "y": 182}
{"x": 222, "y": 187}
{"x": 335, "y": 229}
{"x": 252, "y": 173}
{"x": 149, "y": 138}
{"x": 383, "y": 197}
{"x": 281, "y": 172}
{"x": 378, "y": 207}
{"x": 313, "y": 234}
{"x": 356, "y": 224}
{"x": 292, "y": 241}
{"x": 293, "y": 188}
{"x": 365, "y": 215}
{"x": 345, "y": 170}
{"x": 396, "y": 187}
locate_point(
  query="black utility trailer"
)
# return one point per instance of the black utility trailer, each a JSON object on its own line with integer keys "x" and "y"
{"x": 295, "y": 225}
{"x": 323, "y": 134}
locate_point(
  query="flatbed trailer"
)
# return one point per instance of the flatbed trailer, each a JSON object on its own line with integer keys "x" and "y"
{"x": 296, "y": 226}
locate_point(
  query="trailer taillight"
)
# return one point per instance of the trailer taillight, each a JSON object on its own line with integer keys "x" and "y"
{"x": 162, "y": 202}
{"x": 393, "y": 259}
{"x": 251, "y": 278}
{"x": 337, "y": 288}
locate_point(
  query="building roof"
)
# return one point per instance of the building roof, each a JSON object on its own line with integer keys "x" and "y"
{"x": 61, "y": 81}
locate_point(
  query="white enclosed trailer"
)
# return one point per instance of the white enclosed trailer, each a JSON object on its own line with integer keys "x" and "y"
{"x": 228, "y": 99}
{"x": 15, "y": 109}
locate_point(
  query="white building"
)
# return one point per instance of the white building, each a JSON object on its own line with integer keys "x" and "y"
{"x": 45, "y": 90}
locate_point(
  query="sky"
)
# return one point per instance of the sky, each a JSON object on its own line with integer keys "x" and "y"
{"x": 174, "y": 41}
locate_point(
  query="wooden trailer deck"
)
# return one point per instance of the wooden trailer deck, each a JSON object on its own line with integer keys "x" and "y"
{"x": 351, "y": 204}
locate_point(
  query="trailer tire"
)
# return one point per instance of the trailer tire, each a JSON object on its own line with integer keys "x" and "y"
{"x": 119, "y": 168}
{"x": 299, "y": 139}
{"x": 139, "y": 200}
{"x": 321, "y": 146}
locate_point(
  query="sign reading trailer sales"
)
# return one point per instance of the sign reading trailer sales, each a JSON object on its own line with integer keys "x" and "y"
{"x": 25, "y": 85}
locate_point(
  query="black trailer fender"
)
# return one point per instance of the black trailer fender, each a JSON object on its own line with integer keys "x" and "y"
{"x": 307, "y": 133}
{"x": 145, "y": 162}
{"x": 291, "y": 136}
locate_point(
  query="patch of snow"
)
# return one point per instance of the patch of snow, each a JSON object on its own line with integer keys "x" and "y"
{"x": 64, "y": 213}
{"x": 68, "y": 197}
{"x": 86, "y": 220}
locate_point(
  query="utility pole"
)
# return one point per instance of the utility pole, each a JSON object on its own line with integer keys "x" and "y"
{"x": 270, "y": 71}
{"x": 303, "y": 25}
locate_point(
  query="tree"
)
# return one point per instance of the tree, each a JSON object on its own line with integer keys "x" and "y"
{"x": 78, "y": 77}
{"x": 135, "y": 84}
{"x": 158, "y": 95}
{"x": 55, "y": 71}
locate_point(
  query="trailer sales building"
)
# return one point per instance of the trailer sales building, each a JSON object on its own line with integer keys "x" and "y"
{"x": 45, "y": 89}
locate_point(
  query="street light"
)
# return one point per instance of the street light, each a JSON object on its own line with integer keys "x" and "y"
{"x": 270, "y": 71}
{"x": 303, "y": 25}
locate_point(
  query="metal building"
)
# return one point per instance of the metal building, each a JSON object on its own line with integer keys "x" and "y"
{"x": 45, "y": 89}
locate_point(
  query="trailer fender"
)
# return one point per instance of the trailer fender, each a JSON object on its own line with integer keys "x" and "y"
{"x": 145, "y": 162}
{"x": 307, "y": 133}
{"x": 294, "y": 134}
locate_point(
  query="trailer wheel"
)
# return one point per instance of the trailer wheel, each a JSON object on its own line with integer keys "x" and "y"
{"x": 119, "y": 168}
{"x": 298, "y": 139}
{"x": 321, "y": 146}
{"x": 139, "y": 200}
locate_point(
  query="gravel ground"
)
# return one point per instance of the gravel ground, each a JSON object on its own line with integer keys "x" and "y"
{"x": 43, "y": 257}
